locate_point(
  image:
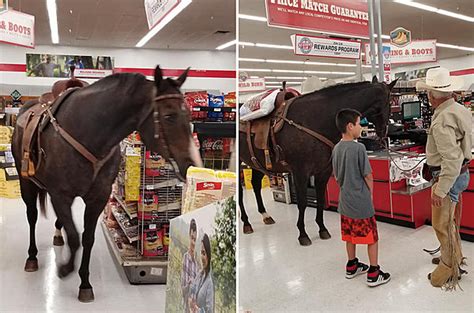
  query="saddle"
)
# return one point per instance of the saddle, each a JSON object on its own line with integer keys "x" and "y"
{"x": 263, "y": 130}
{"x": 36, "y": 118}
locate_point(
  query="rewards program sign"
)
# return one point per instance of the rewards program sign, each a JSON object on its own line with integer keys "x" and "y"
{"x": 325, "y": 47}
{"x": 17, "y": 29}
{"x": 340, "y": 17}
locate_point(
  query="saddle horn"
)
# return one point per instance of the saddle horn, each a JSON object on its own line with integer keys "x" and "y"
{"x": 72, "y": 68}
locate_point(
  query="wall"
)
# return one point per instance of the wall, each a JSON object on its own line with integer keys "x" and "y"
{"x": 124, "y": 58}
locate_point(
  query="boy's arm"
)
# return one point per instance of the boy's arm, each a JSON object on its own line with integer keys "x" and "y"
{"x": 369, "y": 180}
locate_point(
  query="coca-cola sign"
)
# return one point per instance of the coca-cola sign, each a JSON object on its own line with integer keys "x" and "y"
{"x": 214, "y": 145}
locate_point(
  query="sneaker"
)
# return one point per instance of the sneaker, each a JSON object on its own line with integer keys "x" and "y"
{"x": 377, "y": 278}
{"x": 356, "y": 269}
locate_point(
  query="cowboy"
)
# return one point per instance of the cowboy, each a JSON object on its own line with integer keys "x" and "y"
{"x": 448, "y": 153}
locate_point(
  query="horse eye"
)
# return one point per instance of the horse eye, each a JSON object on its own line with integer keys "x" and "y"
{"x": 170, "y": 117}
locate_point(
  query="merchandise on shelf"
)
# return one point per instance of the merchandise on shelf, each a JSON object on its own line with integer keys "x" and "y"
{"x": 205, "y": 186}
{"x": 6, "y": 133}
{"x": 216, "y": 102}
{"x": 197, "y": 99}
{"x": 230, "y": 101}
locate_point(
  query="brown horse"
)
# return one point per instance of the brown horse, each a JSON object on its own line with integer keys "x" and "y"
{"x": 99, "y": 116}
{"x": 307, "y": 156}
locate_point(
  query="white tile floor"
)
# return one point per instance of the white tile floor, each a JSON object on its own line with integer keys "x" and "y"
{"x": 43, "y": 291}
{"x": 278, "y": 275}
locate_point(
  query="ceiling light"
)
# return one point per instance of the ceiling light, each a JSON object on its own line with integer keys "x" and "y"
{"x": 53, "y": 20}
{"x": 435, "y": 10}
{"x": 383, "y": 36}
{"x": 265, "y": 45}
{"x": 279, "y": 83}
{"x": 444, "y": 45}
{"x": 253, "y": 17}
{"x": 254, "y": 70}
{"x": 226, "y": 45}
{"x": 317, "y": 72}
{"x": 251, "y": 60}
{"x": 343, "y": 73}
{"x": 287, "y": 71}
{"x": 284, "y": 77}
{"x": 284, "y": 61}
{"x": 254, "y": 77}
{"x": 243, "y": 43}
{"x": 168, "y": 18}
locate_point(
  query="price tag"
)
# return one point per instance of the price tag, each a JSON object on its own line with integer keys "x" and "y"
{"x": 196, "y": 109}
{"x": 152, "y": 226}
{"x": 156, "y": 271}
{"x": 217, "y": 109}
{"x": 149, "y": 187}
{"x": 234, "y": 110}
{"x": 11, "y": 171}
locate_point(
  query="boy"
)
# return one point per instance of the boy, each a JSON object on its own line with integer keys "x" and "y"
{"x": 354, "y": 177}
{"x": 189, "y": 271}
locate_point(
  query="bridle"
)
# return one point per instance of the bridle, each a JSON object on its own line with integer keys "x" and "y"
{"x": 159, "y": 133}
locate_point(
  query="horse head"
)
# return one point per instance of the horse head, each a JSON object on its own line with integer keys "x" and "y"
{"x": 166, "y": 129}
{"x": 379, "y": 112}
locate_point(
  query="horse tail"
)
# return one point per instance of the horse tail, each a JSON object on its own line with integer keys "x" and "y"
{"x": 42, "y": 200}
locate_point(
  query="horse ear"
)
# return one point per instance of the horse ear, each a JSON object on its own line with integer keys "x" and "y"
{"x": 182, "y": 77}
{"x": 392, "y": 84}
{"x": 158, "y": 75}
{"x": 374, "y": 79}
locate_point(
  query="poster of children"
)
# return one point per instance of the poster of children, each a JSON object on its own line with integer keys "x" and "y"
{"x": 201, "y": 268}
{"x": 52, "y": 65}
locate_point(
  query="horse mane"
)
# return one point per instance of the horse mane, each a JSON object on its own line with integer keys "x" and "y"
{"x": 338, "y": 89}
{"x": 129, "y": 82}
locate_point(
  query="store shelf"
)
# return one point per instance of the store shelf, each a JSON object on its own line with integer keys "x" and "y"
{"x": 169, "y": 183}
{"x": 124, "y": 206}
{"x": 215, "y": 129}
{"x": 126, "y": 230}
{"x": 12, "y": 110}
{"x": 131, "y": 260}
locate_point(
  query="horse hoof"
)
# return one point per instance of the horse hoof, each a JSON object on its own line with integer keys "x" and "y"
{"x": 58, "y": 241}
{"x": 268, "y": 220}
{"x": 64, "y": 271}
{"x": 31, "y": 266}
{"x": 305, "y": 241}
{"x": 435, "y": 261}
{"x": 86, "y": 295}
{"x": 248, "y": 229}
{"x": 324, "y": 234}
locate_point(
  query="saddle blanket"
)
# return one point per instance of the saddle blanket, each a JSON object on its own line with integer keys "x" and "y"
{"x": 259, "y": 105}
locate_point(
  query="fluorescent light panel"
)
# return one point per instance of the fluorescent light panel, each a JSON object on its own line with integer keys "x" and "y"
{"x": 226, "y": 45}
{"x": 294, "y": 71}
{"x": 168, "y": 18}
{"x": 53, "y": 20}
{"x": 296, "y": 62}
{"x": 435, "y": 10}
{"x": 253, "y": 18}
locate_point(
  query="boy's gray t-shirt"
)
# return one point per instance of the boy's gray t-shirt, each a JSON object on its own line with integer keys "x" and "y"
{"x": 351, "y": 165}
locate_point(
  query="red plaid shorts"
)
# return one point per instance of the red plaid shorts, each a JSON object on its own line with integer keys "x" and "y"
{"x": 359, "y": 231}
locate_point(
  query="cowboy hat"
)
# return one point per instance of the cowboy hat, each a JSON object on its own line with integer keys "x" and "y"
{"x": 440, "y": 80}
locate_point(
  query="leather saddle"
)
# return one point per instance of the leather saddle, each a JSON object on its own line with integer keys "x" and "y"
{"x": 263, "y": 129}
{"x": 260, "y": 128}
{"x": 35, "y": 119}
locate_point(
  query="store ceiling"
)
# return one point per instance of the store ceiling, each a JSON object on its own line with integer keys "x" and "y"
{"x": 423, "y": 25}
{"x": 122, "y": 23}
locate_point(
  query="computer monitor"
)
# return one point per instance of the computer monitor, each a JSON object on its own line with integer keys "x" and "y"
{"x": 411, "y": 110}
{"x": 364, "y": 122}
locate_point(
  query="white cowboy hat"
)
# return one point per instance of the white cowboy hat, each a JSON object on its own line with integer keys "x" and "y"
{"x": 439, "y": 79}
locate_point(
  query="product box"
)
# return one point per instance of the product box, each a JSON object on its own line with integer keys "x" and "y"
{"x": 216, "y": 102}
{"x": 152, "y": 240}
{"x": 195, "y": 100}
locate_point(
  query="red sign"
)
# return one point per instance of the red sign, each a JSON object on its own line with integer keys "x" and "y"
{"x": 339, "y": 17}
{"x": 208, "y": 186}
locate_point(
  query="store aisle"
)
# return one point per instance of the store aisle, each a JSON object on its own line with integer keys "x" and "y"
{"x": 278, "y": 275}
{"x": 43, "y": 291}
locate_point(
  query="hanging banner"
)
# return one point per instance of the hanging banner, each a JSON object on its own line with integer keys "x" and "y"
{"x": 339, "y": 17}
{"x": 326, "y": 47}
{"x": 156, "y": 10}
{"x": 252, "y": 85}
{"x": 417, "y": 51}
{"x": 86, "y": 66}
{"x": 17, "y": 29}
{"x": 386, "y": 64}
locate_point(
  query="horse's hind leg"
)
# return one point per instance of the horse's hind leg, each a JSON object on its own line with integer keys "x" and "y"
{"x": 243, "y": 215}
{"x": 257, "y": 177}
{"x": 320, "y": 185}
{"x": 95, "y": 203}
{"x": 29, "y": 193}
{"x": 62, "y": 207}
{"x": 58, "y": 237}
{"x": 301, "y": 184}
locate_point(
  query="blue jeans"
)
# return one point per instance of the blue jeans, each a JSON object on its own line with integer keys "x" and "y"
{"x": 460, "y": 184}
